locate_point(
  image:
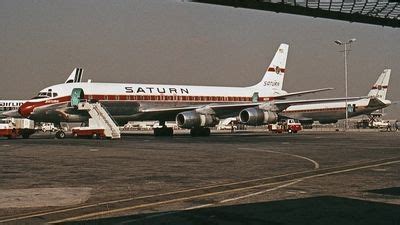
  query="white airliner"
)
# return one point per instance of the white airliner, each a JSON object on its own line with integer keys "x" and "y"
{"x": 9, "y": 108}
{"x": 192, "y": 107}
{"x": 333, "y": 111}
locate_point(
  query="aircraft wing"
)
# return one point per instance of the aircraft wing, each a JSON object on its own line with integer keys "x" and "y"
{"x": 300, "y": 93}
{"x": 221, "y": 110}
{"x": 227, "y": 110}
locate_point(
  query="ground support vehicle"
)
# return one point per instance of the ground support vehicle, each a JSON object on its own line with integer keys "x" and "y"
{"x": 290, "y": 126}
{"x": 13, "y": 127}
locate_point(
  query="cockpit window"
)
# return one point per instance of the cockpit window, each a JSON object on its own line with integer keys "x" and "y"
{"x": 47, "y": 94}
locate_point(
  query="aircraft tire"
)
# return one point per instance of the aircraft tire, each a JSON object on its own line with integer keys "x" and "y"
{"x": 60, "y": 135}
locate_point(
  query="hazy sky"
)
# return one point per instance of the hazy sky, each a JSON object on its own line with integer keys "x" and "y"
{"x": 177, "y": 42}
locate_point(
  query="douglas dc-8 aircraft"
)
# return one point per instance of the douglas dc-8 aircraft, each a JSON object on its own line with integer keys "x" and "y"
{"x": 331, "y": 112}
{"x": 9, "y": 108}
{"x": 192, "y": 107}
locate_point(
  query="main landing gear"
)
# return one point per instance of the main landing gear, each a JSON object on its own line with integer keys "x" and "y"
{"x": 200, "y": 132}
{"x": 164, "y": 131}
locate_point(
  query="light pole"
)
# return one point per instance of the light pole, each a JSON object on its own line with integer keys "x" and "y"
{"x": 346, "y": 126}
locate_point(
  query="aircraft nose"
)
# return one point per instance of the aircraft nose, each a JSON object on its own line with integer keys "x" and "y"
{"x": 26, "y": 109}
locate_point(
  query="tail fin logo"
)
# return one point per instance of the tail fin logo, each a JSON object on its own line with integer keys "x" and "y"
{"x": 277, "y": 70}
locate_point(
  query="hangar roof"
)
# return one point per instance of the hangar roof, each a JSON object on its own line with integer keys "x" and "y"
{"x": 377, "y": 12}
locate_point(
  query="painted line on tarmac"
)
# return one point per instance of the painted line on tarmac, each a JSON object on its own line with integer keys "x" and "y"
{"x": 200, "y": 206}
{"x": 244, "y": 196}
{"x": 316, "y": 164}
{"x": 102, "y": 213}
{"x": 260, "y": 192}
{"x": 44, "y": 213}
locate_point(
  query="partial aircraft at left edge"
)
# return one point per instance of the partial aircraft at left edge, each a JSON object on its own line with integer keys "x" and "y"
{"x": 9, "y": 108}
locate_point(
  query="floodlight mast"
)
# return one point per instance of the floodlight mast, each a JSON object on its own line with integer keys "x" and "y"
{"x": 338, "y": 42}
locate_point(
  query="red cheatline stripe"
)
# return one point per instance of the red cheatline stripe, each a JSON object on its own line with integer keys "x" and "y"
{"x": 379, "y": 87}
{"x": 155, "y": 98}
{"x": 271, "y": 69}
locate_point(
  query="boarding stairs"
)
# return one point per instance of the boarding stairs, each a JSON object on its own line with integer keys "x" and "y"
{"x": 100, "y": 116}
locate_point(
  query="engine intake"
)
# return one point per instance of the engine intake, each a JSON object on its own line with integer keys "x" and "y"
{"x": 192, "y": 119}
{"x": 256, "y": 116}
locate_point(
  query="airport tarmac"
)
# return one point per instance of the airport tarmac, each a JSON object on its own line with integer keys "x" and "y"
{"x": 242, "y": 178}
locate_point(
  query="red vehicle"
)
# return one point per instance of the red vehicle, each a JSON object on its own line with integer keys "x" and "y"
{"x": 293, "y": 126}
{"x": 88, "y": 132}
{"x": 12, "y": 128}
{"x": 290, "y": 126}
{"x": 8, "y": 132}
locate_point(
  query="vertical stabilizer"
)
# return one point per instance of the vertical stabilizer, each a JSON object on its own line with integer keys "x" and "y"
{"x": 76, "y": 76}
{"x": 273, "y": 77}
{"x": 379, "y": 89}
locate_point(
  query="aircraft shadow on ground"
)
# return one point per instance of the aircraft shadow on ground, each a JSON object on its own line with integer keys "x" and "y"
{"x": 324, "y": 210}
{"x": 394, "y": 191}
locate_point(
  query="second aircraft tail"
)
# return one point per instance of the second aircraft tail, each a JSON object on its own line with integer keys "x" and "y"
{"x": 379, "y": 89}
{"x": 76, "y": 76}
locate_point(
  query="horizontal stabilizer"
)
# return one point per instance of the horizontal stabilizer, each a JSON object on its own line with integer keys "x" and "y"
{"x": 300, "y": 93}
{"x": 376, "y": 102}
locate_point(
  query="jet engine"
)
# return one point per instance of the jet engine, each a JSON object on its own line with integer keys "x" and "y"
{"x": 257, "y": 116}
{"x": 192, "y": 119}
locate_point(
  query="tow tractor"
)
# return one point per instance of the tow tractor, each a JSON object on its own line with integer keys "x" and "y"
{"x": 289, "y": 125}
{"x": 13, "y": 127}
